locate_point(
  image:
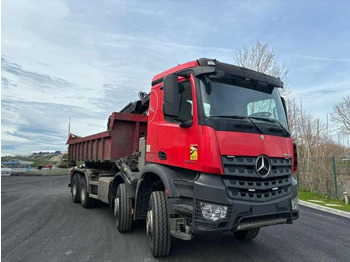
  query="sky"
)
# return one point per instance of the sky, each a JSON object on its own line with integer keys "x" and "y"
{"x": 83, "y": 60}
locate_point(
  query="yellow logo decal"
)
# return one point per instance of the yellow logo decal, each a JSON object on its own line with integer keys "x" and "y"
{"x": 193, "y": 152}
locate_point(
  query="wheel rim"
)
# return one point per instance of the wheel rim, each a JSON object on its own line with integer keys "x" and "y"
{"x": 116, "y": 209}
{"x": 83, "y": 192}
{"x": 74, "y": 189}
{"x": 149, "y": 223}
{"x": 116, "y": 206}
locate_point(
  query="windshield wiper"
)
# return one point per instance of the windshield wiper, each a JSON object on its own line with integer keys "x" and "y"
{"x": 272, "y": 121}
{"x": 241, "y": 117}
{"x": 230, "y": 116}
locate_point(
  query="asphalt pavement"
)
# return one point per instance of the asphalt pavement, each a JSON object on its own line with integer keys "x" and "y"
{"x": 41, "y": 223}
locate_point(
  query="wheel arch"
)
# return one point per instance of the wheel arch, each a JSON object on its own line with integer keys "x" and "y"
{"x": 113, "y": 188}
{"x": 153, "y": 177}
{"x": 117, "y": 180}
{"x": 163, "y": 173}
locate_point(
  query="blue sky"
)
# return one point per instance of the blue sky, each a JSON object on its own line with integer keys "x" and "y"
{"x": 85, "y": 59}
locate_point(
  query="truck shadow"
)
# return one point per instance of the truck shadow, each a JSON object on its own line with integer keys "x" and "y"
{"x": 215, "y": 247}
{"x": 205, "y": 247}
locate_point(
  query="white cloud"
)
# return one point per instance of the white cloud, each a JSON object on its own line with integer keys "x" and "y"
{"x": 318, "y": 100}
{"x": 327, "y": 59}
{"x": 87, "y": 59}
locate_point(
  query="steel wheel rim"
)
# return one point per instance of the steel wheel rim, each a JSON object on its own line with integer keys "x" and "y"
{"x": 74, "y": 189}
{"x": 116, "y": 209}
{"x": 149, "y": 223}
{"x": 116, "y": 206}
{"x": 83, "y": 193}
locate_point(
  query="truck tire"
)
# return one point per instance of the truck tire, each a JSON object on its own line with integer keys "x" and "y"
{"x": 157, "y": 224}
{"x": 76, "y": 184}
{"x": 85, "y": 200}
{"x": 123, "y": 210}
{"x": 248, "y": 234}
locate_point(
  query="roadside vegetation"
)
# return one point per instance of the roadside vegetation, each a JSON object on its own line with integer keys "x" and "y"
{"x": 323, "y": 200}
{"x": 54, "y": 160}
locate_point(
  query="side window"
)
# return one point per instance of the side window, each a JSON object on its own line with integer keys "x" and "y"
{"x": 186, "y": 103}
{"x": 263, "y": 108}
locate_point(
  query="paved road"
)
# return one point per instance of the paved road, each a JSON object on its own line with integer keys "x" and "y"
{"x": 41, "y": 223}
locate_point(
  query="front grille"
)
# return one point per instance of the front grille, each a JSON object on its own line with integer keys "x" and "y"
{"x": 243, "y": 182}
{"x": 245, "y": 166}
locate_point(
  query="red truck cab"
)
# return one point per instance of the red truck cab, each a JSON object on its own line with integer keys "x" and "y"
{"x": 228, "y": 124}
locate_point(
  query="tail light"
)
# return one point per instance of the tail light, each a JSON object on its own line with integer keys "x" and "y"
{"x": 295, "y": 158}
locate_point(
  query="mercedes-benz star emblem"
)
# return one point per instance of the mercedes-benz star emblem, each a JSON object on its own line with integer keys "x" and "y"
{"x": 263, "y": 166}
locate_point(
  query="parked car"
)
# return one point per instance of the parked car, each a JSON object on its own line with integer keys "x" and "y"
{"x": 5, "y": 171}
{"x": 45, "y": 166}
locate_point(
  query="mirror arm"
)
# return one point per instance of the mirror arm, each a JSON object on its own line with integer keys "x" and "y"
{"x": 179, "y": 119}
{"x": 186, "y": 124}
{"x": 183, "y": 122}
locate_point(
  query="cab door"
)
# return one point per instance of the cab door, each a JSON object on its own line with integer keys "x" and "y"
{"x": 178, "y": 146}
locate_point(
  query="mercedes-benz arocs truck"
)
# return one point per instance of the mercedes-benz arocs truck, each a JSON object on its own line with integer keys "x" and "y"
{"x": 207, "y": 150}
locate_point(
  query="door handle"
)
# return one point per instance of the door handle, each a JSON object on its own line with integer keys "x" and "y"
{"x": 162, "y": 155}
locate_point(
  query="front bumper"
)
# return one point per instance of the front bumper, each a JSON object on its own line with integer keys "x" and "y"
{"x": 241, "y": 214}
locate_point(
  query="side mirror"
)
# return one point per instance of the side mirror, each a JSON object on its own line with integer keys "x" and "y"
{"x": 284, "y": 105}
{"x": 171, "y": 100}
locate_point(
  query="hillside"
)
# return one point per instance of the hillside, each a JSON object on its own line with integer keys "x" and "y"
{"x": 40, "y": 159}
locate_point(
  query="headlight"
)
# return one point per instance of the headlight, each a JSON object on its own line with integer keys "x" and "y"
{"x": 213, "y": 212}
{"x": 295, "y": 204}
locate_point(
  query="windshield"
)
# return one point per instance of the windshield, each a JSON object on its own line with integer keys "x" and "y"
{"x": 232, "y": 96}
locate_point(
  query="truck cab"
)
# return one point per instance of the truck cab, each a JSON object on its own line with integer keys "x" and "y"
{"x": 227, "y": 125}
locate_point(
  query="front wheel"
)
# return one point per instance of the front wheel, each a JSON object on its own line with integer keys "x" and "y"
{"x": 248, "y": 234}
{"x": 157, "y": 224}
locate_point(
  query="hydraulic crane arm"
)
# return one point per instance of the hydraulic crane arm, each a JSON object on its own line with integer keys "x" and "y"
{"x": 139, "y": 106}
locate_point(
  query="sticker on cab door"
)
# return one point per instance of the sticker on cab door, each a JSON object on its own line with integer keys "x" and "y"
{"x": 193, "y": 152}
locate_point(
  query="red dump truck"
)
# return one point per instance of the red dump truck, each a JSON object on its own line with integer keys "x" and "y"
{"x": 207, "y": 150}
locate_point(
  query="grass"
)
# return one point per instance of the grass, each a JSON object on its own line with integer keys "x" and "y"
{"x": 307, "y": 196}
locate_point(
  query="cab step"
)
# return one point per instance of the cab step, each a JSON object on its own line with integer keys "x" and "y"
{"x": 93, "y": 196}
{"x": 184, "y": 209}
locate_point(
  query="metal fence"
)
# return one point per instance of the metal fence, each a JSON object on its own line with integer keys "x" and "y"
{"x": 325, "y": 176}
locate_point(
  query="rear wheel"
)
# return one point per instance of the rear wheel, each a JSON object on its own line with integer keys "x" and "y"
{"x": 76, "y": 183}
{"x": 157, "y": 224}
{"x": 123, "y": 210}
{"x": 248, "y": 234}
{"x": 85, "y": 200}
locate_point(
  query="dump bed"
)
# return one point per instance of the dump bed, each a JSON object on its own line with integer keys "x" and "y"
{"x": 120, "y": 140}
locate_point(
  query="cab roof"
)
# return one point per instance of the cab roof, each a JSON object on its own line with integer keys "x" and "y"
{"x": 228, "y": 68}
